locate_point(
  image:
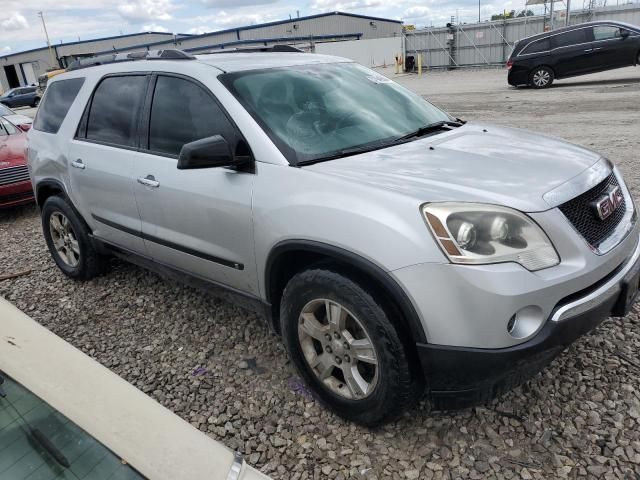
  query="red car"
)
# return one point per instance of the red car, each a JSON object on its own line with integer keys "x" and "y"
{"x": 15, "y": 185}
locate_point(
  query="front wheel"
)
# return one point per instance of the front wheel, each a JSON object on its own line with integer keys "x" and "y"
{"x": 541, "y": 77}
{"x": 345, "y": 347}
{"x": 36, "y": 102}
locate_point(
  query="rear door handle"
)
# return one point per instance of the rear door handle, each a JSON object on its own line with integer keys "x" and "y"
{"x": 589, "y": 50}
{"x": 78, "y": 164}
{"x": 149, "y": 181}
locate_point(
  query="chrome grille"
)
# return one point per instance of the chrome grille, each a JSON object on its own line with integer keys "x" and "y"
{"x": 582, "y": 214}
{"x": 14, "y": 175}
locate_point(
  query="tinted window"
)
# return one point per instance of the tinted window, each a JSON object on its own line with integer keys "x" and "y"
{"x": 56, "y": 103}
{"x": 543, "y": 45}
{"x": 115, "y": 108}
{"x": 568, "y": 39}
{"x": 183, "y": 112}
{"x": 606, "y": 32}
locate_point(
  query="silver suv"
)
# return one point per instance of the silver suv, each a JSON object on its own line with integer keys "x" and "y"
{"x": 394, "y": 248}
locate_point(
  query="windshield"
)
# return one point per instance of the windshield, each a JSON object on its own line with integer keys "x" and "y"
{"x": 38, "y": 442}
{"x": 314, "y": 112}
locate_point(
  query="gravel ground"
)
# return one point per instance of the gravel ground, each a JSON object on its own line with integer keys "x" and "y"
{"x": 218, "y": 366}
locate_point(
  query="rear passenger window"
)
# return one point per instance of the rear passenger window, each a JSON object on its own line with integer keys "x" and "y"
{"x": 543, "y": 45}
{"x": 115, "y": 110}
{"x": 56, "y": 103}
{"x": 183, "y": 112}
{"x": 575, "y": 37}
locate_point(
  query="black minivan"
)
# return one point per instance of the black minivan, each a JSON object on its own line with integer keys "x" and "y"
{"x": 574, "y": 50}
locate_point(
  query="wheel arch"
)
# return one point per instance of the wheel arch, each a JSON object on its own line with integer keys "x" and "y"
{"x": 47, "y": 188}
{"x": 292, "y": 256}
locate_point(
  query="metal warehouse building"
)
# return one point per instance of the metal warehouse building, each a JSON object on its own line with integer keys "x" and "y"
{"x": 23, "y": 68}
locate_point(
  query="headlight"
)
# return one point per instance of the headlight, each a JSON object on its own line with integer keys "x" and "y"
{"x": 479, "y": 234}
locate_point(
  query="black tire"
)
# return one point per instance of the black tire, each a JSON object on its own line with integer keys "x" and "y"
{"x": 89, "y": 262}
{"x": 36, "y": 102}
{"x": 395, "y": 388}
{"x": 541, "y": 77}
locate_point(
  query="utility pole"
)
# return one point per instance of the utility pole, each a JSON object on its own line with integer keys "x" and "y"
{"x": 479, "y": 10}
{"x": 568, "y": 12}
{"x": 551, "y": 15}
{"x": 54, "y": 63}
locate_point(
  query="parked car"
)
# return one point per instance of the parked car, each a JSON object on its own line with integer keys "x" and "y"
{"x": 20, "y": 97}
{"x": 576, "y": 50}
{"x": 64, "y": 415}
{"x": 15, "y": 186}
{"x": 391, "y": 245}
{"x": 21, "y": 121}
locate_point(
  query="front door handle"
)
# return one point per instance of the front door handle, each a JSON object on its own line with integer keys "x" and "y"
{"x": 149, "y": 181}
{"x": 589, "y": 50}
{"x": 78, "y": 164}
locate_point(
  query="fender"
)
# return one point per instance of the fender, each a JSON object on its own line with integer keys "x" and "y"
{"x": 49, "y": 183}
{"x": 389, "y": 285}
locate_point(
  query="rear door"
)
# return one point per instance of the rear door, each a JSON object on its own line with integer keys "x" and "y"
{"x": 573, "y": 52}
{"x": 199, "y": 221}
{"x": 102, "y": 158}
{"x": 611, "y": 49}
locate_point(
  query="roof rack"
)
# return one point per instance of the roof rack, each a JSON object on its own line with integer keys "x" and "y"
{"x": 167, "y": 54}
{"x": 273, "y": 48}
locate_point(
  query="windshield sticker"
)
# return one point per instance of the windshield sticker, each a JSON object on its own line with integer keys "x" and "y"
{"x": 378, "y": 79}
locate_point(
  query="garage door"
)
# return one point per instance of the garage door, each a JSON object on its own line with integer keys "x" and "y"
{"x": 29, "y": 75}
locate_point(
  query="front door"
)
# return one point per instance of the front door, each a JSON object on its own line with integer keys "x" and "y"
{"x": 611, "y": 49}
{"x": 102, "y": 158}
{"x": 199, "y": 221}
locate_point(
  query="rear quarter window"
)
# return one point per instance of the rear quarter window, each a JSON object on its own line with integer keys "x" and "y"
{"x": 56, "y": 103}
{"x": 542, "y": 45}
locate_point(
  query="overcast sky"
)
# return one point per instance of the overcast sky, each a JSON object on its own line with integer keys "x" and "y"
{"x": 68, "y": 20}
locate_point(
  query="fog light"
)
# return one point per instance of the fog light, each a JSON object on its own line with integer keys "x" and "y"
{"x": 525, "y": 322}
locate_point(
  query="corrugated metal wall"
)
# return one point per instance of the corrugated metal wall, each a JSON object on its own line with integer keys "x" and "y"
{"x": 490, "y": 43}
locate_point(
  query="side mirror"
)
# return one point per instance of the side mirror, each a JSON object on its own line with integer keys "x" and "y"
{"x": 210, "y": 152}
{"x": 624, "y": 34}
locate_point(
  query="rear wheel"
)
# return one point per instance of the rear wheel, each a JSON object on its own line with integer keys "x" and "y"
{"x": 68, "y": 240}
{"x": 345, "y": 347}
{"x": 541, "y": 77}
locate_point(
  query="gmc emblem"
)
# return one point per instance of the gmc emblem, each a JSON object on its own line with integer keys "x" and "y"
{"x": 608, "y": 203}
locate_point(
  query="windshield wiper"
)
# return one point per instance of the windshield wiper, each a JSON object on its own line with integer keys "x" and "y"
{"x": 347, "y": 152}
{"x": 34, "y": 433}
{"x": 432, "y": 127}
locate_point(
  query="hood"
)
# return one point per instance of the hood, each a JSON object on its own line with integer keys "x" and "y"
{"x": 12, "y": 150}
{"x": 473, "y": 163}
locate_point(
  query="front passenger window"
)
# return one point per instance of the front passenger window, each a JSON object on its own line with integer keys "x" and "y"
{"x": 183, "y": 112}
{"x": 606, "y": 32}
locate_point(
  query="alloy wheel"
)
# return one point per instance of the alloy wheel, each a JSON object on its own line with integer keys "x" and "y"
{"x": 338, "y": 349}
{"x": 64, "y": 239}
{"x": 541, "y": 78}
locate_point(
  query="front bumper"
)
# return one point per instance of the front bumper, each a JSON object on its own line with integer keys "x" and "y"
{"x": 16, "y": 194}
{"x": 459, "y": 377}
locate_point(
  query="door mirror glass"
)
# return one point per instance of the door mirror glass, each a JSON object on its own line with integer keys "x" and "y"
{"x": 209, "y": 152}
